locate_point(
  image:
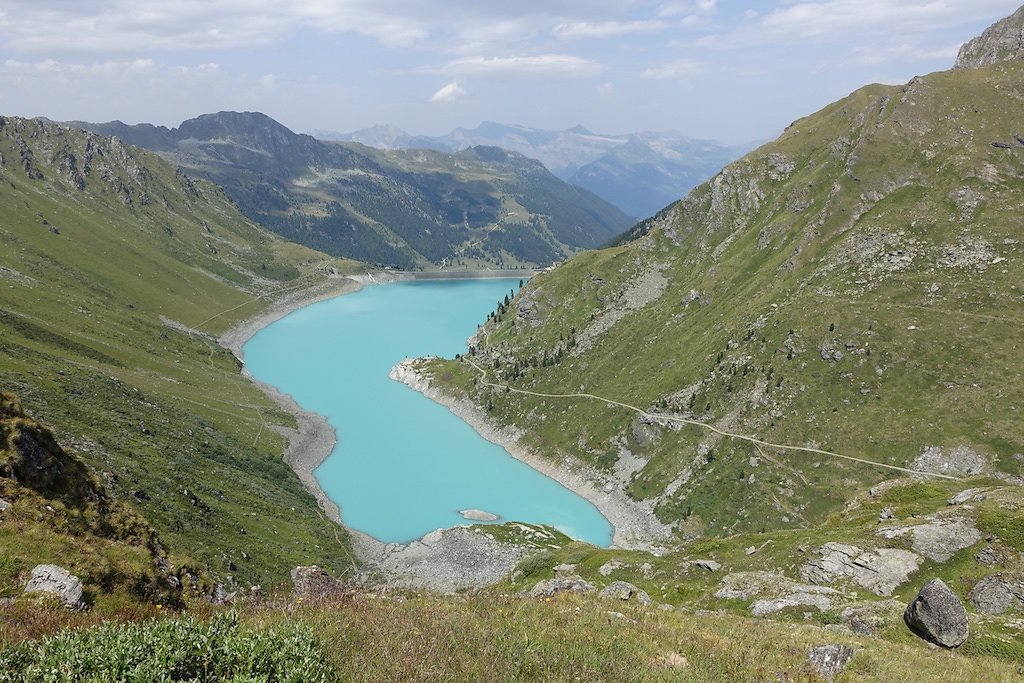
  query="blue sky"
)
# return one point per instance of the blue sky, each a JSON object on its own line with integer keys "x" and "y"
{"x": 730, "y": 70}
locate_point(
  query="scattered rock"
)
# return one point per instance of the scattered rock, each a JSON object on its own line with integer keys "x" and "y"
{"x": 449, "y": 560}
{"x": 610, "y": 566}
{"x": 566, "y": 570}
{"x": 551, "y": 587}
{"x": 4, "y": 505}
{"x": 966, "y": 495}
{"x": 829, "y": 660}
{"x": 49, "y": 578}
{"x": 709, "y": 565}
{"x": 475, "y": 515}
{"x": 886, "y": 513}
{"x": 672, "y": 660}
{"x": 868, "y": 618}
{"x": 221, "y": 596}
{"x": 995, "y": 595}
{"x": 936, "y": 614}
{"x": 778, "y": 591}
{"x": 829, "y": 352}
{"x": 314, "y": 584}
{"x": 621, "y": 590}
{"x": 960, "y": 461}
{"x": 988, "y": 556}
{"x": 750, "y": 551}
{"x": 880, "y": 572}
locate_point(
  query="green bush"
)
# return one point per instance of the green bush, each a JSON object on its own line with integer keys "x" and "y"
{"x": 179, "y": 649}
{"x": 538, "y": 563}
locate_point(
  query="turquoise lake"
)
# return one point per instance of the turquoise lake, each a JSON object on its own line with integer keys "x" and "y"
{"x": 404, "y": 465}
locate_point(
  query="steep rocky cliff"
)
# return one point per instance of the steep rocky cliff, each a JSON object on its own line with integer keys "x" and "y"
{"x": 1002, "y": 41}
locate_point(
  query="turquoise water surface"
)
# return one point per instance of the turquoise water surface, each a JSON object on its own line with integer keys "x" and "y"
{"x": 404, "y": 465}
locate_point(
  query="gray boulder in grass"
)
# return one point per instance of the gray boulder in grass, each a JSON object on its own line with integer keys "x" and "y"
{"x": 936, "y": 614}
{"x": 49, "y": 578}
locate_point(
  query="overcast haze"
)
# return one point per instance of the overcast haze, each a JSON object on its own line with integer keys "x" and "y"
{"x": 730, "y": 70}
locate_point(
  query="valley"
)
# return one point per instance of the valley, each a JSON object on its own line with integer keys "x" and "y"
{"x": 793, "y": 393}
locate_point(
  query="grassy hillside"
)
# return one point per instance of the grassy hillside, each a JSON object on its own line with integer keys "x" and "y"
{"x": 116, "y": 274}
{"x": 854, "y": 286}
{"x": 423, "y": 638}
{"x": 482, "y": 207}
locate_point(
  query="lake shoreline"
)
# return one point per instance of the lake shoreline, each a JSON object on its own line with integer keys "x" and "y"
{"x": 313, "y": 439}
{"x": 634, "y": 524}
{"x": 434, "y": 562}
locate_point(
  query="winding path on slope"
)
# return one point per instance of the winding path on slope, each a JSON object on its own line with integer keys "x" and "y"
{"x": 704, "y": 425}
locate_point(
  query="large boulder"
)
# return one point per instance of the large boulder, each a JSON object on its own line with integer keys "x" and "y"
{"x": 936, "y": 614}
{"x": 49, "y": 578}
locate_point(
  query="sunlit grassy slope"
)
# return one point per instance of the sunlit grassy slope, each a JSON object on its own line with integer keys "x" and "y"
{"x": 856, "y": 285}
{"x": 107, "y": 257}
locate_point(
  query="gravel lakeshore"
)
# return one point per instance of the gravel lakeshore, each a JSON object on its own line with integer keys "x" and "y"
{"x": 314, "y": 439}
{"x": 635, "y": 526}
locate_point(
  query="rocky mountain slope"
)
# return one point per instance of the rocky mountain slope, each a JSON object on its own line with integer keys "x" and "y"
{"x": 116, "y": 273}
{"x": 53, "y": 510}
{"x": 639, "y": 172}
{"x": 850, "y": 295}
{"x": 479, "y": 208}
{"x": 1002, "y": 41}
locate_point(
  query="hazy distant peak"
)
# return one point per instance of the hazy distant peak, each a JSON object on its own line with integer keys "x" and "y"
{"x": 1002, "y": 41}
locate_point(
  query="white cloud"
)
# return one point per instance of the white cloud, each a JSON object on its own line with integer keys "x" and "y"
{"x": 548, "y": 65}
{"x": 690, "y": 8}
{"x": 108, "y": 68}
{"x": 448, "y": 93}
{"x": 824, "y": 21}
{"x": 607, "y": 29}
{"x": 680, "y": 70}
{"x": 606, "y": 90}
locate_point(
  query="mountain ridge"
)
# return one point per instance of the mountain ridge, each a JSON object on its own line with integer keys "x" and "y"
{"x": 662, "y": 166}
{"x": 385, "y": 207}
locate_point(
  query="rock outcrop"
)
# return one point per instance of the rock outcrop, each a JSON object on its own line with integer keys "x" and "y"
{"x": 829, "y": 660}
{"x": 995, "y": 594}
{"x": 940, "y": 539}
{"x": 313, "y": 584}
{"x": 1002, "y": 41}
{"x": 775, "y": 592}
{"x": 880, "y": 571}
{"x": 551, "y": 587}
{"x": 54, "y": 580}
{"x": 936, "y": 614}
{"x": 622, "y": 590}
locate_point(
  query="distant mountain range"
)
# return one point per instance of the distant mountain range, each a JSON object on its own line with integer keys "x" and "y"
{"x": 640, "y": 173}
{"x": 480, "y": 207}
